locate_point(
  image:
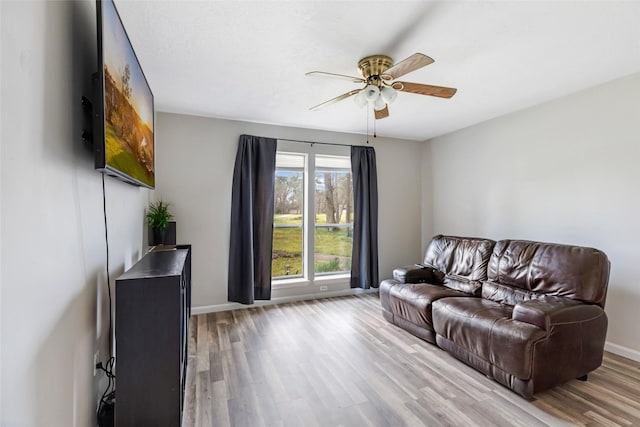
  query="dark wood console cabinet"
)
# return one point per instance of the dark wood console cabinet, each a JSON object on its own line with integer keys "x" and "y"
{"x": 153, "y": 305}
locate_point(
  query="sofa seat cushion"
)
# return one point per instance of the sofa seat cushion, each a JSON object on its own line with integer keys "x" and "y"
{"x": 485, "y": 328}
{"x": 412, "y": 301}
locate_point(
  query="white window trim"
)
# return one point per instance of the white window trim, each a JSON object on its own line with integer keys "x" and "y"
{"x": 309, "y": 278}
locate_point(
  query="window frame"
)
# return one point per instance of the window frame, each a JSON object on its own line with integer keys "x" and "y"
{"x": 302, "y": 225}
{"x": 310, "y": 277}
{"x": 329, "y": 225}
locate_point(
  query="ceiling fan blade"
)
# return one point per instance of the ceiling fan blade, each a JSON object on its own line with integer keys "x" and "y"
{"x": 381, "y": 114}
{"x": 340, "y": 76}
{"x": 421, "y": 89}
{"x": 336, "y": 99}
{"x": 412, "y": 63}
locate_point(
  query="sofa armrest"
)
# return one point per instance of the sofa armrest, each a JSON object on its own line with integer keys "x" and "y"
{"x": 551, "y": 311}
{"x": 415, "y": 274}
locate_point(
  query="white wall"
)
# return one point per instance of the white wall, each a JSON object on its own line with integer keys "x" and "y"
{"x": 54, "y": 304}
{"x": 426, "y": 206}
{"x": 195, "y": 160}
{"x": 565, "y": 171}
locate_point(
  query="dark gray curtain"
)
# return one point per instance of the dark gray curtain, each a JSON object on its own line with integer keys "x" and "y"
{"x": 252, "y": 220}
{"x": 364, "y": 258}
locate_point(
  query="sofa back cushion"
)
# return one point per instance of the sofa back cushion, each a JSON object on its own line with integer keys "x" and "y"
{"x": 463, "y": 260}
{"x": 532, "y": 268}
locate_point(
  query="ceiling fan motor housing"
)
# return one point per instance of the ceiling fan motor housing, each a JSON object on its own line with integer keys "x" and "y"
{"x": 372, "y": 67}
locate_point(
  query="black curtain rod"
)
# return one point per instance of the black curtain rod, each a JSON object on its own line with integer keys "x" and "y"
{"x": 315, "y": 142}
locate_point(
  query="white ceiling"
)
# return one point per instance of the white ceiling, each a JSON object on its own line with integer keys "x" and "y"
{"x": 247, "y": 60}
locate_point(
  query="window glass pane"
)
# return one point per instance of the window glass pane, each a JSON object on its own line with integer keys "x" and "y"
{"x": 333, "y": 249}
{"x": 287, "y": 258}
{"x": 287, "y": 253}
{"x": 288, "y": 197}
{"x": 333, "y": 198}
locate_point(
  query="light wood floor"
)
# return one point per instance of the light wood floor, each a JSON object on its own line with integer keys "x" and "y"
{"x": 337, "y": 362}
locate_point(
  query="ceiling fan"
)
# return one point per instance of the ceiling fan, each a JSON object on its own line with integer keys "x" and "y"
{"x": 380, "y": 88}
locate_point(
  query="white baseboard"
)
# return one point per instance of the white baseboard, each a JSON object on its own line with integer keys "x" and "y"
{"x": 203, "y": 309}
{"x": 622, "y": 351}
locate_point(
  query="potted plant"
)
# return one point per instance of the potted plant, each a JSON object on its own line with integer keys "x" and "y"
{"x": 158, "y": 217}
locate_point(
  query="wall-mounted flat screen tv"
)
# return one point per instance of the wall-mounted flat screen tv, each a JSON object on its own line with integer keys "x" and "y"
{"x": 123, "y": 108}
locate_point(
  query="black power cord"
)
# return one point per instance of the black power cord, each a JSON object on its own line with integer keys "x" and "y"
{"x": 106, "y": 407}
{"x": 106, "y": 239}
{"x": 107, "y": 401}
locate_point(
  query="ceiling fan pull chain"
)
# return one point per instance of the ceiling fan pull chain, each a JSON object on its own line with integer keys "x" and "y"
{"x": 374, "y": 128}
{"x": 367, "y": 113}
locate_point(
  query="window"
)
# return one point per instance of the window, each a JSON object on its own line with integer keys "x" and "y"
{"x": 333, "y": 215}
{"x": 313, "y": 213}
{"x": 288, "y": 220}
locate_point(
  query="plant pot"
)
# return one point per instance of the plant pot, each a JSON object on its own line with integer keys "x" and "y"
{"x": 158, "y": 236}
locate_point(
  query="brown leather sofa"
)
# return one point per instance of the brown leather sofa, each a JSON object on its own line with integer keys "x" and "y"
{"x": 528, "y": 314}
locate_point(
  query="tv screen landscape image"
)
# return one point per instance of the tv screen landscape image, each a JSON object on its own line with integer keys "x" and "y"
{"x": 127, "y": 146}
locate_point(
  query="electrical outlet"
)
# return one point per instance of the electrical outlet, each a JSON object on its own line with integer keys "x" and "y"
{"x": 96, "y": 357}
{"x": 323, "y": 288}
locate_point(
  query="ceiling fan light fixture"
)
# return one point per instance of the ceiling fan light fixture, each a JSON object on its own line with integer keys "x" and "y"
{"x": 371, "y": 93}
{"x": 388, "y": 94}
{"x": 360, "y": 99}
{"x": 379, "y": 104}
